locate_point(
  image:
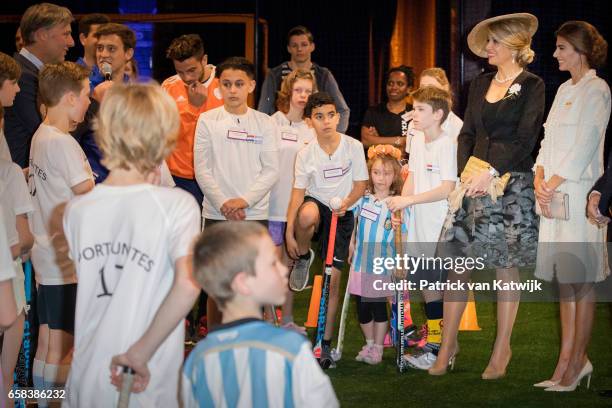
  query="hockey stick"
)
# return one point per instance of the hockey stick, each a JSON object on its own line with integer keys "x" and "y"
{"x": 322, "y": 318}
{"x": 399, "y": 302}
{"x": 271, "y": 309}
{"x": 337, "y": 352}
{"x": 126, "y": 387}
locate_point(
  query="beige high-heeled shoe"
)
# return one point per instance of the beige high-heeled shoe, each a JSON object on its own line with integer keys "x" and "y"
{"x": 451, "y": 364}
{"x": 587, "y": 371}
{"x": 443, "y": 370}
{"x": 546, "y": 384}
{"x": 496, "y": 375}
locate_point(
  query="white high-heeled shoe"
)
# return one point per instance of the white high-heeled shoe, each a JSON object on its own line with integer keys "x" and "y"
{"x": 546, "y": 384}
{"x": 586, "y": 371}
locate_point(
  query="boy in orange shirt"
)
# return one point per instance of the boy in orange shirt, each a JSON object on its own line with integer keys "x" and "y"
{"x": 195, "y": 90}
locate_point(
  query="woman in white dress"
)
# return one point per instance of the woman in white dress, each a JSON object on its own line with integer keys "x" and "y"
{"x": 570, "y": 161}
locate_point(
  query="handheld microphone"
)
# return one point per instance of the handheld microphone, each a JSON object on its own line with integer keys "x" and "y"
{"x": 107, "y": 70}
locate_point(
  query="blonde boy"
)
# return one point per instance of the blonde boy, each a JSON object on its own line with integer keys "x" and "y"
{"x": 246, "y": 361}
{"x": 58, "y": 171}
{"x": 131, "y": 243}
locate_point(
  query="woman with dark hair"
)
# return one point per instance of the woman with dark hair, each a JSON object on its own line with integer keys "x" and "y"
{"x": 387, "y": 122}
{"x": 570, "y": 160}
{"x": 495, "y": 219}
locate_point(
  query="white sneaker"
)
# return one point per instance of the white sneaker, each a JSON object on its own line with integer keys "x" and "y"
{"x": 421, "y": 361}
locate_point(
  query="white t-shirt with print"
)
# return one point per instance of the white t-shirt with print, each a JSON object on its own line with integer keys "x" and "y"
{"x": 430, "y": 163}
{"x": 325, "y": 177}
{"x": 14, "y": 197}
{"x": 57, "y": 163}
{"x": 293, "y": 137}
{"x": 125, "y": 242}
{"x": 236, "y": 156}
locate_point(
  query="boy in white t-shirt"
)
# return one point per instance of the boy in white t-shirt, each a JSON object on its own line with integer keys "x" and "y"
{"x": 58, "y": 171}
{"x": 17, "y": 204}
{"x": 432, "y": 177}
{"x": 8, "y": 309}
{"x": 235, "y": 155}
{"x": 333, "y": 166}
{"x": 132, "y": 245}
{"x": 294, "y": 135}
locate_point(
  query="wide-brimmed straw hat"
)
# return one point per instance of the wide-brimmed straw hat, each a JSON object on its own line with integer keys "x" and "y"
{"x": 477, "y": 38}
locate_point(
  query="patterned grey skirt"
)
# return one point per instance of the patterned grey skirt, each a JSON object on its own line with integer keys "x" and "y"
{"x": 503, "y": 233}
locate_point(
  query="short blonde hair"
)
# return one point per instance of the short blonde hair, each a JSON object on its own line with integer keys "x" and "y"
{"x": 515, "y": 35}
{"x": 284, "y": 95}
{"x": 56, "y": 80}
{"x": 137, "y": 127}
{"x": 438, "y": 74}
{"x": 435, "y": 97}
{"x": 223, "y": 251}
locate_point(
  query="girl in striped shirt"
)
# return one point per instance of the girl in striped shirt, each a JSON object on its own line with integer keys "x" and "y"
{"x": 374, "y": 239}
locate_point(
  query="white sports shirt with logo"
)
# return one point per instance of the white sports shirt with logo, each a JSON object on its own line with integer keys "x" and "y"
{"x": 125, "y": 242}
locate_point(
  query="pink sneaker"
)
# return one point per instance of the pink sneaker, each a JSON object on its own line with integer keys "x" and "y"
{"x": 387, "y": 342}
{"x": 374, "y": 356}
{"x": 365, "y": 351}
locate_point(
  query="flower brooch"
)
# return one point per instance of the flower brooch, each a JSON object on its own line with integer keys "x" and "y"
{"x": 514, "y": 90}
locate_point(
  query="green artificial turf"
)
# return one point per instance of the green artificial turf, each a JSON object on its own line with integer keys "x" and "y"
{"x": 535, "y": 344}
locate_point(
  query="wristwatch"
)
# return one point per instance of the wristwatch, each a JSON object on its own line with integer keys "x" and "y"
{"x": 493, "y": 172}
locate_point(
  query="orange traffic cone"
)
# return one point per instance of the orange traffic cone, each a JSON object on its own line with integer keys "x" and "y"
{"x": 469, "y": 319}
{"x": 315, "y": 301}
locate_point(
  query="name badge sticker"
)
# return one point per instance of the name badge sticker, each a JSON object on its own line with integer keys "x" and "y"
{"x": 375, "y": 208}
{"x": 367, "y": 213}
{"x": 332, "y": 172}
{"x": 292, "y": 137}
{"x": 237, "y": 135}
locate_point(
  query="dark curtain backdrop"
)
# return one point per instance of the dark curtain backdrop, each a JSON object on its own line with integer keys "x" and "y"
{"x": 352, "y": 39}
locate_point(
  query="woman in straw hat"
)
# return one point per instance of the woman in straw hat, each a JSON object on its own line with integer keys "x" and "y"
{"x": 499, "y": 225}
{"x": 569, "y": 162}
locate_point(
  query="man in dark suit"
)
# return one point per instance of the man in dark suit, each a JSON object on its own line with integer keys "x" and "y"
{"x": 47, "y": 36}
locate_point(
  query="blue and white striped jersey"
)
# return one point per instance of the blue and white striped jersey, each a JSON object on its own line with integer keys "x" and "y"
{"x": 250, "y": 363}
{"x": 374, "y": 237}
